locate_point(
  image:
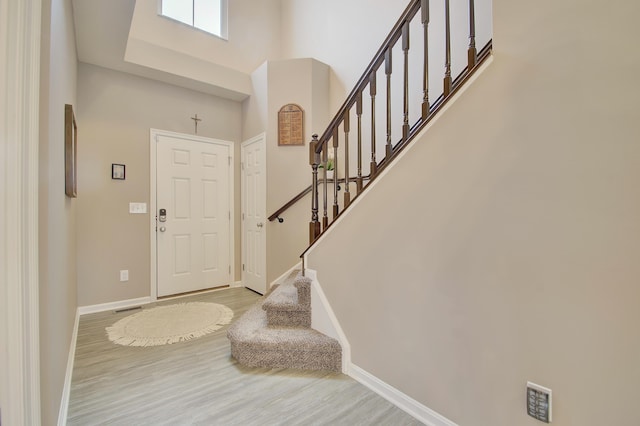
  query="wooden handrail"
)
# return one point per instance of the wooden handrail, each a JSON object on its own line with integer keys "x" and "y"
{"x": 439, "y": 103}
{"x": 301, "y": 194}
{"x": 346, "y": 127}
{"x": 375, "y": 63}
{"x": 290, "y": 203}
{"x": 457, "y": 84}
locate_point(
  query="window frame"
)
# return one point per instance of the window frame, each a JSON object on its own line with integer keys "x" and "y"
{"x": 224, "y": 18}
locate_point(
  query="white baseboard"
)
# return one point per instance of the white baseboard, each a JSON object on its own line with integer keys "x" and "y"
{"x": 66, "y": 389}
{"x": 399, "y": 399}
{"x": 121, "y": 304}
{"x": 286, "y": 274}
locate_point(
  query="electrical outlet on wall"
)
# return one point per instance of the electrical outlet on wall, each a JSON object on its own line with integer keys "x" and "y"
{"x": 539, "y": 402}
{"x": 124, "y": 275}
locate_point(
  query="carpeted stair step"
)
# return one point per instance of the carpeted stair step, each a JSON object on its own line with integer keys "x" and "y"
{"x": 289, "y": 305}
{"x": 255, "y": 344}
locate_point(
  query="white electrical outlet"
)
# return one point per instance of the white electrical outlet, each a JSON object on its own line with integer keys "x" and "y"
{"x": 539, "y": 402}
{"x": 124, "y": 275}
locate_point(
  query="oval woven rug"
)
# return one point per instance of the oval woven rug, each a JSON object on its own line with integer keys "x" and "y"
{"x": 164, "y": 325}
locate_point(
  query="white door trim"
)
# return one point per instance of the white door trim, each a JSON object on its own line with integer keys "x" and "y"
{"x": 153, "y": 207}
{"x": 19, "y": 127}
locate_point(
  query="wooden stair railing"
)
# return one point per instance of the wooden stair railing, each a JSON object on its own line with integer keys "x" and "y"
{"x": 277, "y": 214}
{"x": 330, "y": 143}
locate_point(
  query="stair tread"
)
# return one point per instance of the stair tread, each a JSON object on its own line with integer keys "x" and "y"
{"x": 287, "y": 296}
{"x": 252, "y": 327}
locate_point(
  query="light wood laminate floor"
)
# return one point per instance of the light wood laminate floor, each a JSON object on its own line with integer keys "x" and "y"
{"x": 198, "y": 383}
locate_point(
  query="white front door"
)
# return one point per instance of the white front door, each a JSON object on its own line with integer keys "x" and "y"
{"x": 254, "y": 221}
{"x": 193, "y": 213}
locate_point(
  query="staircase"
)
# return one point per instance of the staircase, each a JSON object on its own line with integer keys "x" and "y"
{"x": 391, "y": 104}
{"x": 276, "y": 332}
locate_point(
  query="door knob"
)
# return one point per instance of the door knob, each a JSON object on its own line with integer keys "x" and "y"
{"x": 162, "y": 229}
{"x": 260, "y": 225}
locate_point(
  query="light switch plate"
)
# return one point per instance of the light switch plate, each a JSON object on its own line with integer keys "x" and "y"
{"x": 138, "y": 208}
{"x": 539, "y": 402}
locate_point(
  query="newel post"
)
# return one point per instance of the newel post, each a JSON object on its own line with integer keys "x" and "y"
{"x": 314, "y": 161}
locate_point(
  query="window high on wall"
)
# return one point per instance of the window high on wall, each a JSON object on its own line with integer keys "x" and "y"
{"x": 206, "y": 15}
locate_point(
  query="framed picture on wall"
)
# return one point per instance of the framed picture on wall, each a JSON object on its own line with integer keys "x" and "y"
{"x": 291, "y": 125}
{"x": 118, "y": 171}
{"x": 70, "y": 152}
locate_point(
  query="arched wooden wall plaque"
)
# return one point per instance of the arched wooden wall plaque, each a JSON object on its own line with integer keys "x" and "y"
{"x": 291, "y": 125}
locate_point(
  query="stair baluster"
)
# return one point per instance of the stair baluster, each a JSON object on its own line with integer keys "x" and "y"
{"x": 405, "y": 50}
{"x": 424, "y": 6}
{"x": 372, "y": 93}
{"x": 325, "y": 187}
{"x": 388, "y": 71}
{"x": 314, "y": 160}
{"x": 472, "y": 54}
{"x": 359, "y": 180}
{"x": 336, "y": 208}
{"x": 447, "y": 36}
{"x": 346, "y": 126}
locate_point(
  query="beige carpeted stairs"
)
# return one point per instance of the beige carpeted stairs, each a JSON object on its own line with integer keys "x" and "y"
{"x": 277, "y": 333}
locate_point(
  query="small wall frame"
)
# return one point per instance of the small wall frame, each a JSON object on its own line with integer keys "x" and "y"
{"x": 291, "y": 125}
{"x": 118, "y": 171}
{"x": 70, "y": 152}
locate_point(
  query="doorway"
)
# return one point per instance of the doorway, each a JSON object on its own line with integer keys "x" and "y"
{"x": 254, "y": 220}
{"x": 192, "y": 213}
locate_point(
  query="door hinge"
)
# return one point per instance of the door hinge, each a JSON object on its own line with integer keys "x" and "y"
{"x": 229, "y": 214}
{"x": 242, "y": 216}
{"x": 229, "y": 269}
{"x": 229, "y": 160}
{"x": 243, "y": 266}
{"x": 242, "y": 165}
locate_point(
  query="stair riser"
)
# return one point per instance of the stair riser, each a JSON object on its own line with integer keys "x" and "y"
{"x": 288, "y": 318}
{"x": 248, "y": 355}
{"x": 304, "y": 291}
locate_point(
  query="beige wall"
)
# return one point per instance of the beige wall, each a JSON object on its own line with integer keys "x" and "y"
{"x": 57, "y": 213}
{"x": 115, "y": 113}
{"x": 505, "y": 244}
{"x": 304, "y": 82}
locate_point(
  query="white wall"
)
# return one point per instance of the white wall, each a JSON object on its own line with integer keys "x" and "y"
{"x": 346, "y": 35}
{"x": 253, "y": 34}
{"x": 116, "y": 111}
{"x": 254, "y": 109}
{"x": 170, "y": 46}
{"x": 505, "y": 243}
{"x": 57, "y": 212}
